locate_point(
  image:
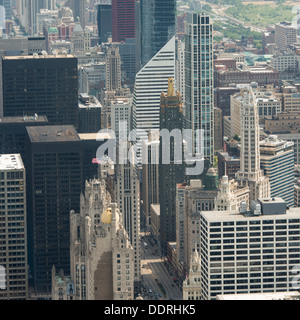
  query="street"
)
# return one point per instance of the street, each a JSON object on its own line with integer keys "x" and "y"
{"x": 157, "y": 283}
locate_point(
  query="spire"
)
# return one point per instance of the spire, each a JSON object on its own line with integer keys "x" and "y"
{"x": 171, "y": 91}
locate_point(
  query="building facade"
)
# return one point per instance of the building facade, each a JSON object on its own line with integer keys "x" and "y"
{"x": 13, "y": 230}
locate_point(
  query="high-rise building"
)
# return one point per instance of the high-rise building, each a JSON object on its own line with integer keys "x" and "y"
{"x": 150, "y": 82}
{"x": 254, "y": 255}
{"x": 54, "y": 179}
{"x": 78, "y": 8}
{"x": 104, "y": 21}
{"x": 105, "y": 269}
{"x": 7, "y": 4}
{"x": 80, "y": 40}
{"x": 121, "y": 117}
{"x": 171, "y": 163}
{"x": 47, "y": 85}
{"x": 113, "y": 69}
{"x": 13, "y": 133}
{"x": 90, "y": 110}
{"x": 250, "y": 173}
{"x": 123, "y": 20}
{"x": 150, "y": 178}
{"x": 285, "y": 34}
{"x": 277, "y": 161}
{"x": 13, "y": 240}
{"x": 199, "y": 84}
{"x": 128, "y": 199}
{"x": 157, "y": 20}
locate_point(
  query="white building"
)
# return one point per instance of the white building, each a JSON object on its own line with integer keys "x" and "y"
{"x": 191, "y": 288}
{"x": 13, "y": 230}
{"x": 199, "y": 80}
{"x": 150, "y": 82}
{"x": 250, "y": 251}
{"x": 101, "y": 254}
{"x": 285, "y": 34}
{"x": 250, "y": 173}
{"x": 121, "y": 117}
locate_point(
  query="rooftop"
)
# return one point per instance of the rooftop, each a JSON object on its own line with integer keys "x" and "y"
{"x": 25, "y": 119}
{"x": 11, "y": 162}
{"x": 46, "y": 56}
{"x": 261, "y": 296}
{"x": 62, "y": 133}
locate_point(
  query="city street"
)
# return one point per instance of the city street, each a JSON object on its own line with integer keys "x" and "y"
{"x": 157, "y": 283}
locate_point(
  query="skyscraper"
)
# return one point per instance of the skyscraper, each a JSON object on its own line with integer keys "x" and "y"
{"x": 150, "y": 82}
{"x": 250, "y": 173}
{"x": 78, "y": 7}
{"x": 172, "y": 171}
{"x": 13, "y": 230}
{"x": 123, "y": 20}
{"x": 54, "y": 182}
{"x": 128, "y": 199}
{"x": 157, "y": 20}
{"x": 199, "y": 89}
{"x": 277, "y": 161}
{"x": 104, "y": 21}
{"x": 46, "y": 85}
{"x": 113, "y": 69}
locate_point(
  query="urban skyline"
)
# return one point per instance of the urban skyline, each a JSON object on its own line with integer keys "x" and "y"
{"x": 149, "y": 150}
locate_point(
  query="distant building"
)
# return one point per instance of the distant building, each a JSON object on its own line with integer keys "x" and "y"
{"x": 285, "y": 34}
{"x": 277, "y": 161}
{"x": 13, "y": 249}
{"x": 113, "y": 69}
{"x": 90, "y": 111}
{"x": 104, "y": 21}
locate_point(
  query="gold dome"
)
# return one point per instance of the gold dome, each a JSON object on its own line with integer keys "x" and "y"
{"x": 106, "y": 216}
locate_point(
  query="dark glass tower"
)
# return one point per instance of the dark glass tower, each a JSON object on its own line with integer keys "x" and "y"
{"x": 157, "y": 19}
{"x": 173, "y": 172}
{"x": 46, "y": 85}
{"x": 54, "y": 179}
{"x": 104, "y": 20}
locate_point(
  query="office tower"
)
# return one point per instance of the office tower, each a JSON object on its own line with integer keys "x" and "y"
{"x": 150, "y": 178}
{"x": 121, "y": 117}
{"x": 150, "y": 82}
{"x": 199, "y": 89}
{"x": 20, "y": 47}
{"x": 128, "y": 199}
{"x": 54, "y": 177}
{"x": 80, "y": 40}
{"x": 7, "y": 4}
{"x": 46, "y": 85}
{"x": 13, "y": 249}
{"x": 78, "y": 8}
{"x": 13, "y": 133}
{"x": 171, "y": 161}
{"x": 277, "y": 161}
{"x": 191, "y": 287}
{"x": 268, "y": 104}
{"x": 285, "y": 34}
{"x": 127, "y": 51}
{"x": 250, "y": 173}
{"x": 123, "y": 20}
{"x": 228, "y": 164}
{"x": 113, "y": 69}
{"x": 254, "y": 255}
{"x": 105, "y": 269}
{"x": 104, "y": 21}
{"x": 157, "y": 20}
{"x": 90, "y": 110}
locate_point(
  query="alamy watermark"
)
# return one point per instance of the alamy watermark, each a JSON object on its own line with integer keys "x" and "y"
{"x": 177, "y": 147}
